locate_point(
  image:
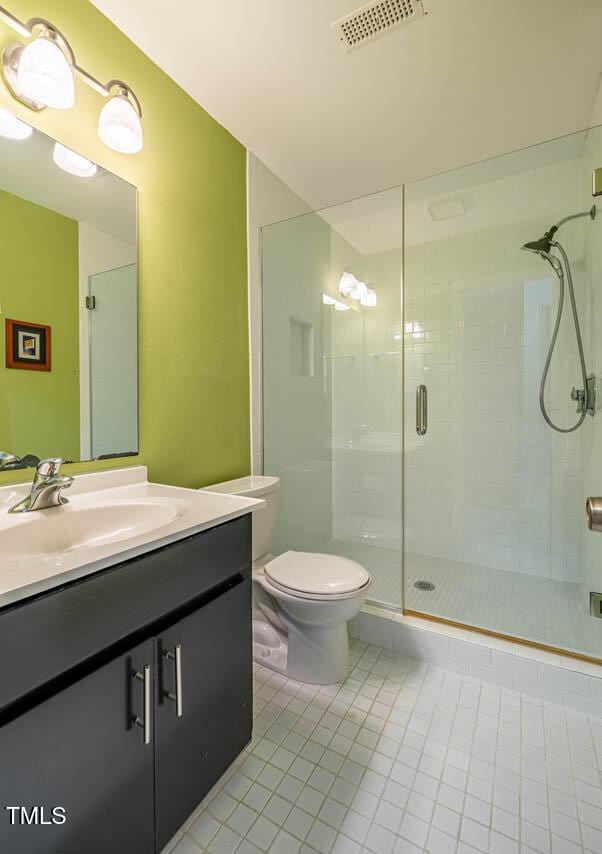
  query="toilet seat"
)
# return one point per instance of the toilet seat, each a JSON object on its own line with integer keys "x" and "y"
{"x": 310, "y": 575}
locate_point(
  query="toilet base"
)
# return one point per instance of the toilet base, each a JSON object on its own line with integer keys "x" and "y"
{"x": 318, "y": 657}
{"x": 270, "y": 648}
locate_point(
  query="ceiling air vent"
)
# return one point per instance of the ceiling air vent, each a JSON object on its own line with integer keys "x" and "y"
{"x": 374, "y": 20}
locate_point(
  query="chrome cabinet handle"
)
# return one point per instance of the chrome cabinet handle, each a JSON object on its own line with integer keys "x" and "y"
{"x": 145, "y": 722}
{"x": 421, "y": 410}
{"x": 176, "y": 656}
{"x": 593, "y": 510}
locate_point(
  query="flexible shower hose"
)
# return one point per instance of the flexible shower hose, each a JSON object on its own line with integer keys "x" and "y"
{"x": 544, "y": 376}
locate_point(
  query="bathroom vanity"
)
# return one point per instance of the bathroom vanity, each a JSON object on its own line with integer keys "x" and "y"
{"x": 126, "y": 685}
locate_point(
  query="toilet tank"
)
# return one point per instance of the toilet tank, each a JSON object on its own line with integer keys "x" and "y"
{"x": 256, "y": 486}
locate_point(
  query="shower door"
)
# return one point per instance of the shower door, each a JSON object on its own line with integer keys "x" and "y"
{"x": 114, "y": 362}
{"x": 495, "y": 534}
{"x": 332, "y": 384}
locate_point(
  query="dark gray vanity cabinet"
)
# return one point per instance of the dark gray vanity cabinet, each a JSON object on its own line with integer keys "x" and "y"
{"x": 80, "y": 751}
{"x": 213, "y": 699}
{"x": 124, "y": 698}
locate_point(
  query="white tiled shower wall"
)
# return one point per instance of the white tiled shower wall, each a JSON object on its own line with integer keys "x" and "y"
{"x": 491, "y": 484}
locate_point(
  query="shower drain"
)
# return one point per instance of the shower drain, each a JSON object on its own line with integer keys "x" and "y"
{"x": 424, "y": 585}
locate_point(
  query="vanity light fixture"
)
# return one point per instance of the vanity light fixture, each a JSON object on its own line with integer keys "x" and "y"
{"x": 41, "y": 74}
{"x": 347, "y": 283}
{"x": 369, "y": 299}
{"x": 338, "y": 306}
{"x": 119, "y": 124}
{"x": 13, "y": 128}
{"x": 360, "y": 291}
{"x": 72, "y": 162}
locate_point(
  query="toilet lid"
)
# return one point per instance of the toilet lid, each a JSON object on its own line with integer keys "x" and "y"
{"x": 319, "y": 574}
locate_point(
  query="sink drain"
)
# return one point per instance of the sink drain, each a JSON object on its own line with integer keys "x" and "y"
{"x": 424, "y": 585}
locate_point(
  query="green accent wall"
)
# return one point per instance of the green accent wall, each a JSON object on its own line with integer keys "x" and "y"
{"x": 191, "y": 177}
{"x": 39, "y": 410}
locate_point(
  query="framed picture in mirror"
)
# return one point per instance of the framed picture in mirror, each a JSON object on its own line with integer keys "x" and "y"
{"x": 27, "y": 345}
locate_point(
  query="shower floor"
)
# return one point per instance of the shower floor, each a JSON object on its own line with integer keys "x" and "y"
{"x": 553, "y": 613}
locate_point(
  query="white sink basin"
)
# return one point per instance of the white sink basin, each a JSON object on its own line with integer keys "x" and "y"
{"x": 62, "y": 529}
{"x": 111, "y": 517}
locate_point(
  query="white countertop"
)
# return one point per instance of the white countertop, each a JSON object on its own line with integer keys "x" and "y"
{"x": 45, "y": 548}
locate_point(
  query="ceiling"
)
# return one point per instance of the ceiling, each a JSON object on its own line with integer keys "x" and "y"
{"x": 471, "y": 79}
{"x": 539, "y": 184}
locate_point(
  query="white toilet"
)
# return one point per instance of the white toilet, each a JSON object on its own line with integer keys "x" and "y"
{"x": 301, "y": 600}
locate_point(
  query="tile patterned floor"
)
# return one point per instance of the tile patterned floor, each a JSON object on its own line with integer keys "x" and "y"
{"x": 402, "y": 758}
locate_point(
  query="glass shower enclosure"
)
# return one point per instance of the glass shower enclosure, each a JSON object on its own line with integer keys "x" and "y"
{"x": 495, "y": 497}
{"x": 332, "y": 384}
{"x": 441, "y": 378}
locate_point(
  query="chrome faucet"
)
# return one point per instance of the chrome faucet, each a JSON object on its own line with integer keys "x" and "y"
{"x": 46, "y": 488}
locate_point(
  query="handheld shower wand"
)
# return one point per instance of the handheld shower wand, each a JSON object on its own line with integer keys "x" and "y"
{"x": 585, "y": 397}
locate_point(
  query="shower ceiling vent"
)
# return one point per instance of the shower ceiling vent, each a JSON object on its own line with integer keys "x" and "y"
{"x": 374, "y": 20}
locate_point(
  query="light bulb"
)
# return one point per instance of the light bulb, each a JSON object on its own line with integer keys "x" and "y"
{"x": 72, "y": 162}
{"x": 347, "y": 283}
{"x": 13, "y": 128}
{"x": 360, "y": 291}
{"x": 326, "y": 300}
{"x": 119, "y": 126}
{"x": 45, "y": 75}
{"x": 369, "y": 299}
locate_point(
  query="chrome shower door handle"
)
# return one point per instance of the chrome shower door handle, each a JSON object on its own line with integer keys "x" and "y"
{"x": 145, "y": 722}
{"x": 176, "y": 656}
{"x": 421, "y": 410}
{"x": 593, "y": 512}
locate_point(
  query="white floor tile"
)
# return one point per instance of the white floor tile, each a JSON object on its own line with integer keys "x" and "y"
{"x": 433, "y": 762}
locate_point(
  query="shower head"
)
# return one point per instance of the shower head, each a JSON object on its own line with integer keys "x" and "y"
{"x": 544, "y": 244}
{"x": 541, "y": 246}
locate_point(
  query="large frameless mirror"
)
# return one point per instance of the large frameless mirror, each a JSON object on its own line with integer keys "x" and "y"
{"x": 68, "y": 303}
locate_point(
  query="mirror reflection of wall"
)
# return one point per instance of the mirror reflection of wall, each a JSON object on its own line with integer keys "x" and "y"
{"x": 68, "y": 307}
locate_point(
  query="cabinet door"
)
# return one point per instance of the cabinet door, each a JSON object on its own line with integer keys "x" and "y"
{"x": 81, "y": 751}
{"x": 212, "y": 694}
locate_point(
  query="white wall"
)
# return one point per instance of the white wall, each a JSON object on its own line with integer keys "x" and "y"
{"x": 269, "y": 200}
{"x": 98, "y": 252}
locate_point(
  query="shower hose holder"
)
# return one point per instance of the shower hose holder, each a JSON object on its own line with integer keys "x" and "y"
{"x": 586, "y": 398}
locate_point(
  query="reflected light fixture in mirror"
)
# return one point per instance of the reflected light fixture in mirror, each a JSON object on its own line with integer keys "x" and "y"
{"x": 360, "y": 291}
{"x": 13, "y": 128}
{"x": 72, "y": 162}
{"x": 369, "y": 299}
{"x": 347, "y": 283}
{"x": 338, "y": 306}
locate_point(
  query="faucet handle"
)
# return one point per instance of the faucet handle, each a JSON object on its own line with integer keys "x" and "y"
{"x": 8, "y": 460}
{"x": 49, "y": 467}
